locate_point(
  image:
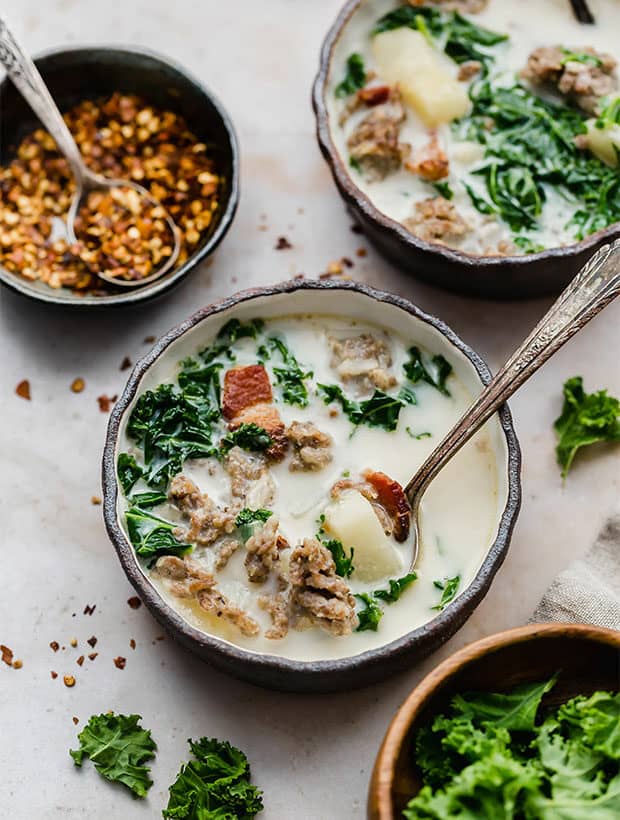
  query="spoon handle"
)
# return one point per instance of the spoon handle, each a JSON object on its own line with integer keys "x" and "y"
{"x": 594, "y": 287}
{"x": 30, "y": 84}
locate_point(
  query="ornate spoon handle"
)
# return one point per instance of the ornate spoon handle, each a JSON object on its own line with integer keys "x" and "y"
{"x": 29, "y": 83}
{"x": 594, "y": 287}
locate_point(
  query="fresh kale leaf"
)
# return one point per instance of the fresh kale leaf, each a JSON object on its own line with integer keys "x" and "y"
{"x": 129, "y": 471}
{"x": 586, "y": 418}
{"x": 516, "y": 194}
{"x": 119, "y": 747}
{"x": 290, "y": 376}
{"x": 380, "y": 410}
{"x": 151, "y": 536}
{"x": 370, "y": 615}
{"x": 147, "y": 500}
{"x": 247, "y": 436}
{"x": 448, "y": 589}
{"x": 396, "y": 589}
{"x": 407, "y": 395}
{"x": 436, "y": 374}
{"x": 354, "y": 78}
{"x": 215, "y": 785}
{"x": 598, "y": 717}
{"x": 515, "y": 710}
{"x": 461, "y": 39}
{"x": 248, "y": 521}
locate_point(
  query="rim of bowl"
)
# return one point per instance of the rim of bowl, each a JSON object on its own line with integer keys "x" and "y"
{"x": 356, "y": 197}
{"x": 432, "y": 631}
{"x": 158, "y": 287}
{"x": 400, "y": 725}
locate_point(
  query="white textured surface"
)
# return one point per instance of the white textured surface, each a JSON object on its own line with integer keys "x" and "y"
{"x": 312, "y": 755}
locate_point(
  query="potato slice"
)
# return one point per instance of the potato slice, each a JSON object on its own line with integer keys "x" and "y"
{"x": 604, "y": 142}
{"x": 405, "y": 58}
{"x": 352, "y": 520}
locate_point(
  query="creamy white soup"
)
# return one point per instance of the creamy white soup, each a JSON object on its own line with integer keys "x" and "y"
{"x": 490, "y": 127}
{"x": 263, "y": 482}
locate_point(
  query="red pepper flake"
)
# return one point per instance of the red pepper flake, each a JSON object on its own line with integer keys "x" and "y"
{"x": 132, "y": 643}
{"x": 92, "y": 641}
{"x": 283, "y": 244}
{"x": 348, "y": 263}
{"x": 77, "y": 385}
{"x": 361, "y": 252}
{"x": 88, "y": 609}
{"x": 54, "y": 675}
{"x": 92, "y": 656}
{"x": 54, "y": 646}
{"x": 69, "y": 681}
{"x": 120, "y": 662}
{"x": 80, "y": 660}
{"x": 7, "y": 655}
{"x": 126, "y": 363}
{"x": 95, "y": 500}
{"x": 106, "y": 402}
{"x": 148, "y": 340}
{"x": 23, "y": 389}
{"x": 135, "y": 602}
{"x": 75, "y": 720}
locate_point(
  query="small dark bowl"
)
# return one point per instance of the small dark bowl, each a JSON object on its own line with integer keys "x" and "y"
{"x": 341, "y": 299}
{"x": 77, "y": 74}
{"x": 587, "y": 658}
{"x": 491, "y": 277}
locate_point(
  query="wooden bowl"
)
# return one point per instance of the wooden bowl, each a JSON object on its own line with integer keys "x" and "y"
{"x": 586, "y": 657}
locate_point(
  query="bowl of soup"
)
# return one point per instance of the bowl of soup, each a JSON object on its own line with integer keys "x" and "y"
{"x": 253, "y": 479}
{"x": 477, "y": 148}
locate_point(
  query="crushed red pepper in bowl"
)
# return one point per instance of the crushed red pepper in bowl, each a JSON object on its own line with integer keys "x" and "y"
{"x": 120, "y": 137}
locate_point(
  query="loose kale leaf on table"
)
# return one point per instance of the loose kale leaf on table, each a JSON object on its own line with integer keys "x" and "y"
{"x": 586, "y": 418}
{"x": 215, "y": 785}
{"x": 119, "y": 747}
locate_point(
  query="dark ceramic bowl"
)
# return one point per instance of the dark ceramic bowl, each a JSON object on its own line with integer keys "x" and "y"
{"x": 76, "y": 74}
{"x": 341, "y": 299}
{"x": 585, "y": 658}
{"x": 495, "y": 277}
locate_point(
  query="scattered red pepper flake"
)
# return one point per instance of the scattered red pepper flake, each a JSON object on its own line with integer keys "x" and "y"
{"x": 135, "y": 602}
{"x": 88, "y": 609}
{"x": 78, "y": 384}
{"x": 106, "y": 402}
{"x": 148, "y": 340}
{"x": 126, "y": 363}
{"x": 80, "y": 660}
{"x": 54, "y": 675}
{"x": 7, "y": 655}
{"x": 95, "y": 500}
{"x": 120, "y": 662}
{"x": 92, "y": 641}
{"x": 361, "y": 252}
{"x": 54, "y": 646}
{"x": 92, "y": 656}
{"x": 348, "y": 263}
{"x": 17, "y": 664}
{"x": 132, "y": 643}
{"x": 23, "y": 389}
{"x": 283, "y": 244}
{"x": 69, "y": 681}
{"x": 75, "y": 720}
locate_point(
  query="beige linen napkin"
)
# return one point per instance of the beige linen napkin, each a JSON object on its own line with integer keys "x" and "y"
{"x": 589, "y": 590}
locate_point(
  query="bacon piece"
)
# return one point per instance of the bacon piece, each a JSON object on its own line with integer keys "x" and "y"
{"x": 374, "y": 95}
{"x": 245, "y": 387}
{"x": 392, "y": 498}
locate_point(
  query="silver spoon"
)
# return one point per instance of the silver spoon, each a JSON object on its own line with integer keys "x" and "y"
{"x": 592, "y": 289}
{"x": 30, "y": 84}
